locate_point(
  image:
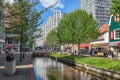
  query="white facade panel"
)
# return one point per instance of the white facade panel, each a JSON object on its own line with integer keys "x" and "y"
{"x": 105, "y": 38}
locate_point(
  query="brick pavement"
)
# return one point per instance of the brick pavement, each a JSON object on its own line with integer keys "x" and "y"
{"x": 24, "y": 69}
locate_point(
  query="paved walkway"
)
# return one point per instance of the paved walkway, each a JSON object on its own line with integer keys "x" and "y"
{"x": 24, "y": 69}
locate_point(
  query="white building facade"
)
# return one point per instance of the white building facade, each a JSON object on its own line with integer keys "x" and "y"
{"x": 99, "y": 8}
{"x": 52, "y": 23}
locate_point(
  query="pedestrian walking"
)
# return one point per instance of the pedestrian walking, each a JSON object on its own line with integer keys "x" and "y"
{"x": 75, "y": 52}
{"x": 110, "y": 53}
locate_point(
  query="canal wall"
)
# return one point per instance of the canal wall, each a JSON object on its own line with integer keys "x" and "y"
{"x": 32, "y": 71}
{"x": 90, "y": 68}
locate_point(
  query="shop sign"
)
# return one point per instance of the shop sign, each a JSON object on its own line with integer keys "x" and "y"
{"x": 98, "y": 45}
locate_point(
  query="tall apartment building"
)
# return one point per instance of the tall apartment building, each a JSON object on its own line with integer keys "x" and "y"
{"x": 57, "y": 16}
{"x": 52, "y": 23}
{"x": 99, "y": 8}
{"x": 2, "y": 33}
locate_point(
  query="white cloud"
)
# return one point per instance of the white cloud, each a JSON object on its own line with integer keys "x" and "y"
{"x": 47, "y": 3}
{"x": 9, "y": 1}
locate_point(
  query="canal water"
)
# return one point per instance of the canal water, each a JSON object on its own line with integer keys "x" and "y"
{"x": 48, "y": 69}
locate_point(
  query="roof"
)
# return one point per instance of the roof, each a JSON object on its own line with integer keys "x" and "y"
{"x": 114, "y": 25}
{"x": 104, "y": 28}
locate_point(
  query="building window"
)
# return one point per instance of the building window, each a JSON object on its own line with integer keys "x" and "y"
{"x": 117, "y": 34}
{"x": 0, "y": 31}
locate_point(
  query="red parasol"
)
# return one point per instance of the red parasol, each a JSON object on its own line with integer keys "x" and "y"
{"x": 9, "y": 46}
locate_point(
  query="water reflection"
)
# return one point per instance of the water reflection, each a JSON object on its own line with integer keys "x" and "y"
{"x": 48, "y": 69}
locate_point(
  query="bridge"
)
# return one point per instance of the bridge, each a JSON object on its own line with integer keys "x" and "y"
{"x": 40, "y": 53}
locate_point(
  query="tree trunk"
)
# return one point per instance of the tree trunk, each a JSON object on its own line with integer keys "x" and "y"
{"x": 72, "y": 49}
{"x": 78, "y": 48}
{"x": 21, "y": 45}
{"x": 61, "y": 48}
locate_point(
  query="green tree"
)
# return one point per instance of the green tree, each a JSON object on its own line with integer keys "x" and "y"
{"x": 52, "y": 40}
{"x": 1, "y": 20}
{"x": 78, "y": 27}
{"x": 24, "y": 20}
{"x": 115, "y": 9}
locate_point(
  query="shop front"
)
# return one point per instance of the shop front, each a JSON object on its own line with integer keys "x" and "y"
{"x": 10, "y": 41}
{"x": 84, "y": 48}
{"x": 100, "y": 45}
{"x": 116, "y": 48}
{"x": 71, "y": 48}
{"x": 114, "y": 34}
{"x": 100, "y": 48}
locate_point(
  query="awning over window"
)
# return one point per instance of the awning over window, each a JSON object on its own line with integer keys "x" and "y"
{"x": 84, "y": 45}
{"x": 2, "y": 40}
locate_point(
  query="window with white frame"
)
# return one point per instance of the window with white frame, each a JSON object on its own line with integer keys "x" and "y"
{"x": 117, "y": 34}
{"x": 0, "y": 31}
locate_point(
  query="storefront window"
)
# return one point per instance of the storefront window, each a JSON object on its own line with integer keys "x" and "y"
{"x": 117, "y": 34}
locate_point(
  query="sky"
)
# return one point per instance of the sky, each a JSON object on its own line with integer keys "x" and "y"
{"x": 65, "y": 5}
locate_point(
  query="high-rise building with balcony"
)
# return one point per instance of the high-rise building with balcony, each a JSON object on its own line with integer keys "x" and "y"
{"x": 52, "y": 23}
{"x": 99, "y": 8}
{"x": 57, "y": 16}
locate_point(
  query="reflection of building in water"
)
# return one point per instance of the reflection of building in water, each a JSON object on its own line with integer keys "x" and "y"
{"x": 84, "y": 76}
{"x": 49, "y": 69}
{"x": 70, "y": 73}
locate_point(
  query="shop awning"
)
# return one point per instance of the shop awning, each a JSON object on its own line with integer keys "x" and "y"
{"x": 114, "y": 43}
{"x": 85, "y": 45}
{"x": 2, "y": 40}
{"x": 100, "y": 44}
{"x": 9, "y": 46}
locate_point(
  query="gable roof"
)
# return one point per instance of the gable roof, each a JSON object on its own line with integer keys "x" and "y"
{"x": 104, "y": 28}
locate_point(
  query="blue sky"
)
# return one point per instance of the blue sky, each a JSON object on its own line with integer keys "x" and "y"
{"x": 65, "y": 5}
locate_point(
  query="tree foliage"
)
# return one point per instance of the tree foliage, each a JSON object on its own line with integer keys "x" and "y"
{"x": 115, "y": 9}
{"x": 1, "y": 14}
{"x": 78, "y": 27}
{"x": 52, "y": 39}
{"x": 1, "y": 20}
{"x": 24, "y": 19}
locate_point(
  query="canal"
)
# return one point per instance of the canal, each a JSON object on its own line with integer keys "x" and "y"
{"x": 48, "y": 69}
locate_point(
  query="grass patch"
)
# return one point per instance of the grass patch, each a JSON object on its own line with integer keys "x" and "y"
{"x": 104, "y": 63}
